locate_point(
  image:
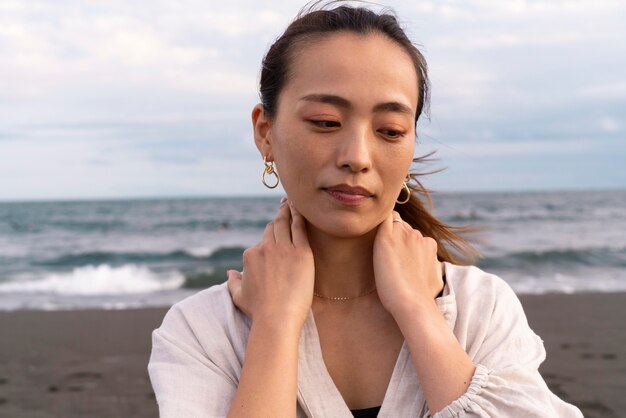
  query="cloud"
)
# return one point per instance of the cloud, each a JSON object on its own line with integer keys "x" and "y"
{"x": 154, "y": 97}
{"x": 610, "y": 125}
{"x": 503, "y": 147}
{"x": 512, "y": 9}
{"x": 604, "y": 91}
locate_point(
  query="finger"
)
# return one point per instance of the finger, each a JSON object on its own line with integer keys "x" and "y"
{"x": 402, "y": 224}
{"x": 417, "y": 232}
{"x": 282, "y": 228}
{"x": 234, "y": 284}
{"x": 268, "y": 233}
{"x": 298, "y": 228}
{"x": 397, "y": 220}
{"x": 235, "y": 280}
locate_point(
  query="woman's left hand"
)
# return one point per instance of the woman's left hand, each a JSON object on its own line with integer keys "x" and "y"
{"x": 406, "y": 268}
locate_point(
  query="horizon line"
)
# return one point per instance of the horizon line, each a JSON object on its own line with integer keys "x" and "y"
{"x": 433, "y": 193}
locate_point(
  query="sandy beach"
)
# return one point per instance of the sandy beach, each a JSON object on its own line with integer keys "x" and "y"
{"x": 93, "y": 363}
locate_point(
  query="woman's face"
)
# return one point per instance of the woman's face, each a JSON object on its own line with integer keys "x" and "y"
{"x": 344, "y": 132}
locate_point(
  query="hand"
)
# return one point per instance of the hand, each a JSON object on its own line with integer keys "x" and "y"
{"x": 406, "y": 268}
{"x": 278, "y": 273}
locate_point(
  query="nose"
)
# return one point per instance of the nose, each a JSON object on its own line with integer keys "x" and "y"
{"x": 354, "y": 152}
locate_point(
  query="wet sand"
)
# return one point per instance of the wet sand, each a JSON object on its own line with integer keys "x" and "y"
{"x": 93, "y": 363}
{"x": 77, "y": 363}
{"x": 585, "y": 338}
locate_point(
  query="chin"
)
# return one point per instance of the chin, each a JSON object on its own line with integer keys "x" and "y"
{"x": 341, "y": 228}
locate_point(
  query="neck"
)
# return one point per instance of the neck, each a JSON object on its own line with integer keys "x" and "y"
{"x": 343, "y": 266}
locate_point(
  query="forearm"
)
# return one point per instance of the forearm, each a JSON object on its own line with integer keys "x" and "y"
{"x": 443, "y": 368}
{"x": 268, "y": 382}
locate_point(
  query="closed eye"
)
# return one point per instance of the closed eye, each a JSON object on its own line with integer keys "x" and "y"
{"x": 392, "y": 133}
{"x": 326, "y": 124}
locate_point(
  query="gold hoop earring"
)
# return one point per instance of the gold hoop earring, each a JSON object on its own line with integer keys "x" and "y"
{"x": 269, "y": 169}
{"x": 405, "y": 186}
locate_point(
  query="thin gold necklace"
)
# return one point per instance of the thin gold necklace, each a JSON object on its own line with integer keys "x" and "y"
{"x": 343, "y": 297}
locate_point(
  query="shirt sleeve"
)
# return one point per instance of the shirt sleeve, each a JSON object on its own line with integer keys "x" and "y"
{"x": 186, "y": 382}
{"x": 507, "y": 354}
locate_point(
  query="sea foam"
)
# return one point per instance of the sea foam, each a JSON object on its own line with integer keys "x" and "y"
{"x": 98, "y": 280}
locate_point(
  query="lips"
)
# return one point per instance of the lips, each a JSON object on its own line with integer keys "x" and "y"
{"x": 348, "y": 195}
{"x": 350, "y": 190}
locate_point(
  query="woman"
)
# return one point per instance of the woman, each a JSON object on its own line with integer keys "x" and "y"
{"x": 352, "y": 304}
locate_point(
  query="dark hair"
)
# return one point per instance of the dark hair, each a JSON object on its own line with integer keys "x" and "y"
{"x": 311, "y": 24}
{"x": 315, "y": 22}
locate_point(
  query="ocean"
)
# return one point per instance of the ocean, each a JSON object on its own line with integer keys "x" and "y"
{"x": 120, "y": 254}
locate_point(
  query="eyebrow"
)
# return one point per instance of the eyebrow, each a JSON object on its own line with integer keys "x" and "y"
{"x": 344, "y": 103}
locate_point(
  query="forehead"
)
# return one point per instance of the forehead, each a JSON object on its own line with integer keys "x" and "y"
{"x": 361, "y": 67}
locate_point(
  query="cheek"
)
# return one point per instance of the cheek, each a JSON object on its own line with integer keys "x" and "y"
{"x": 296, "y": 166}
{"x": 395, "y": 165}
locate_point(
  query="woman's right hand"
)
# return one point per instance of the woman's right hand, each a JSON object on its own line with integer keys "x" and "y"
{"x": 278, "y": 273}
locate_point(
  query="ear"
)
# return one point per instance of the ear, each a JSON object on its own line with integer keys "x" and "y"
{"x": 261, "y": 124}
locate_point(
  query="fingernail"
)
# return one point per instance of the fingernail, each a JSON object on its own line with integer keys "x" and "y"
{"x": 283, "y": 199}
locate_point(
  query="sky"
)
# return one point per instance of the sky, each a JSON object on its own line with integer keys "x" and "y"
{"x": 122, "y": 99}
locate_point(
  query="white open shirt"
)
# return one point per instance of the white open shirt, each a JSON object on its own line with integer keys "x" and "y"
{"x": 197, "y": 356}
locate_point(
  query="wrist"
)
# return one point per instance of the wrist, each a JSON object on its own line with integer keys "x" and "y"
{"x": 277, "y": 325}
{"x": 415, "y": 311}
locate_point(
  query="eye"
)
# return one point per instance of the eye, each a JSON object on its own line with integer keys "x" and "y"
{"x": 325, "y": 124}
{"x": 392, "y": 133}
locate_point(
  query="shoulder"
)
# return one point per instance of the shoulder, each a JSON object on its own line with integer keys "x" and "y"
{"x": 208, "y": 318}
{"x": 216, "y": 295}
{"x": 489, "y": 315}
{"x": 468, "y": 282}
{"x": 477, "y": 292}
{"x": 202, "y": 305}
{"x": 197, "y": 355}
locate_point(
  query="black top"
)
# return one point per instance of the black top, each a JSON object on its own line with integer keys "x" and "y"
{"x": 366, "y": 413}
{"x": 444, "y": 285}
